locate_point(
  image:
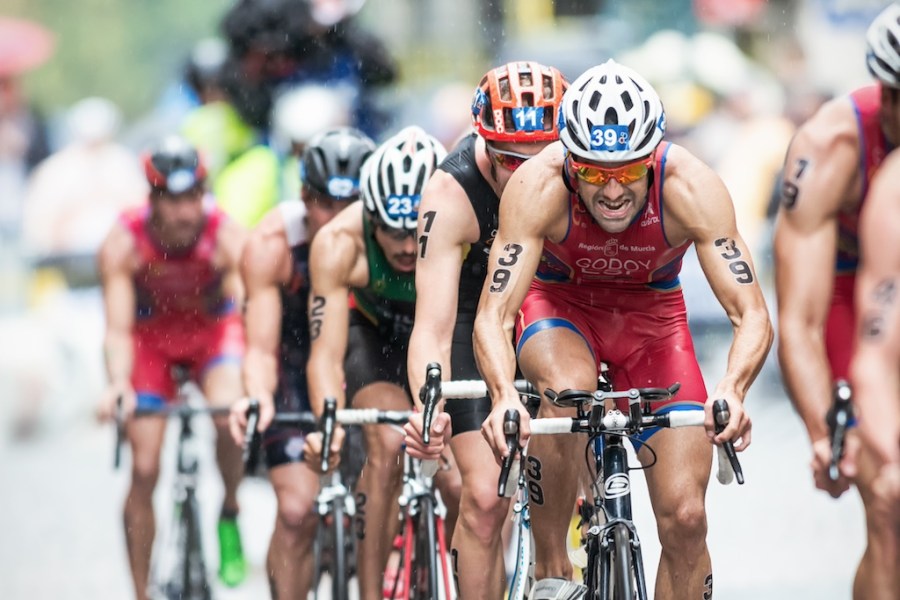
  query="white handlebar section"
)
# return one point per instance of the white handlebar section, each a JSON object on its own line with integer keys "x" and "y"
{"x": 464, "y": 389}
{"x": 368, "y": 416}
{"x": 551, "y": 425}
{"x": 686, "y": 418}
{"x": 612, "y": 419}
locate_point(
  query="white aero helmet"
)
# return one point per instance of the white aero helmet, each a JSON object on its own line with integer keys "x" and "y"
{"x": 392, "y": 179}
{"x": 883, "y": 46}
{"x": 302, "y": 112}
{"x": 611, "y": 114}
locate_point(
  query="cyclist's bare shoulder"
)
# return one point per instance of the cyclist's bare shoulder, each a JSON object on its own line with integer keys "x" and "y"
{"x": 338, "y": 252}
{"x": 117, "y": 253}
{"x": 882, "y": 208}
{"x": 453, "y": 219}
{"x": 821, "y": 169}
{"x": 230, "y": 240}
{"x": 265, "y": 257}
{"x": 695, "y": 198}
{"x": 832, "y": 128}
{"x": 536, "y": 198}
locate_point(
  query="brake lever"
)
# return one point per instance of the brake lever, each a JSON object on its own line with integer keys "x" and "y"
{"x": 326, "y": 426}
{"x": 431, "y": 393}
{"x": 120, "y": 431}
{"x": 251, "y": 438}
{"x": 511, "y": 422}
{"x": 721, "y": 416}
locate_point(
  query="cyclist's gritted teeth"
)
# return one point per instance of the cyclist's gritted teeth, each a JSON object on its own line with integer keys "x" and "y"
{"x": 617, "y": 208}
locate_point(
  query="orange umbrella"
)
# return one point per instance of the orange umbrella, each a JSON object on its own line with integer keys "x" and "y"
{"x": 24, "y": 45}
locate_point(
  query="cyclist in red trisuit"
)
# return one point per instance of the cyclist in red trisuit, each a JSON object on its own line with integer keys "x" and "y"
{"x": 172, "y": 294}
{"x": 601, "y": 222}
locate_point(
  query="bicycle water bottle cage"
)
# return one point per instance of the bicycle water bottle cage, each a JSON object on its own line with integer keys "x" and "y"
{"x": 569, "y": 398}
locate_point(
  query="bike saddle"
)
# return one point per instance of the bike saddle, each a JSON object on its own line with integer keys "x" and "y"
{"x": 569, "y": 398}
{"x": 652, "y": 394}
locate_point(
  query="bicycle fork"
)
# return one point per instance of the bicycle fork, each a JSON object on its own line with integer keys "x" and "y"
{"x": 615, "y": 559}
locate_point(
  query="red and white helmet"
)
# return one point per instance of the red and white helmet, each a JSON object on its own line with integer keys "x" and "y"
{"x": 519, "y": 102}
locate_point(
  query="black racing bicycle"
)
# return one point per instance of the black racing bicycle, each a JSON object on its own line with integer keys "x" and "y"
{"x": 335, "y": 544}
{"x": 612, "y": 562}
{"x": 178, "y": 568}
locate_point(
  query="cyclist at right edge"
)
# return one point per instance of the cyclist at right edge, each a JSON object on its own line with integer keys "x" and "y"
{"x": 827, "y": 171}
{"x": 602, "y": 220}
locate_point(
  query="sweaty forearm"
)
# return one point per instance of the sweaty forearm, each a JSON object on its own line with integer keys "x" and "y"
{"x": 807, "y": 376}
{"x": 876, "y": 399}
{"x": 325, "y": 378}
{"x": 752, "y": 341}
{"x": 118, "y": 354}
{"x": 260, "y": 373}
{"x": 426, "y": 348}
{"x": 495, "y": 356}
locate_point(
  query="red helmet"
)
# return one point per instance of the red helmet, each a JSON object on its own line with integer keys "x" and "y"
{"x": 174, "y": 166}
{"x": 519, "y": 102}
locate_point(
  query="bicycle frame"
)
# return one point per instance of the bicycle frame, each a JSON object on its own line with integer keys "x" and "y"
{"x": 425, "y": 568}
{"x": 192, "y": 570}
{"x": 422, "y": 511}
{"x": 334, "y": 502}
{"x": 523, "y": 570}
{"x": 615, "y": 540}
{"x": 614, "y": 565}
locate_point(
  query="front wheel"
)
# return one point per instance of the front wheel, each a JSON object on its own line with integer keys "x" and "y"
{"x": 622, "y": 580}
{"x": 339, "y": 575}
{"x": 425, "y": 578}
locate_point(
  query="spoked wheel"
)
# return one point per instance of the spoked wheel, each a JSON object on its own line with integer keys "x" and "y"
{"x": 322, "y": 562}
{"x": 340, "y": 575}
{"x": 425, "y": 575}
{"x": 195, "y": 583}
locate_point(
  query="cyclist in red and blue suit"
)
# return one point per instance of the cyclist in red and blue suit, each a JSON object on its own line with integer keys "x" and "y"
{"x": 602, "y": 219}
{"x": 827, "y": 173}
{"x": 171, "y": 290}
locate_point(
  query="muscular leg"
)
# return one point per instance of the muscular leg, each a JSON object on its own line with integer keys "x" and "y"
{"x": 380, "y": 482}
{"x": 677, "y": 486}
{"x": 222, "y": 386}
{"x": 557, "y": 358}
{"x": 290, "y": 559}
{"x": 146, "y": 437}
{"x": 449, "y": 483}
{"x": 878, "y": 575}
{"x": 476, "y": 544}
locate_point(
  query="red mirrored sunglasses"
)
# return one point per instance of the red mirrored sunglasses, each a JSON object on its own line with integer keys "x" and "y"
{"x": 506, "y": 159}
{"x": 624, "y": 174}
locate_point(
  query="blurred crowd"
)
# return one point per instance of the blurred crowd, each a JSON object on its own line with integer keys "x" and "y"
{"x": 251, "y": 99}
{"x": 277, "y": 73}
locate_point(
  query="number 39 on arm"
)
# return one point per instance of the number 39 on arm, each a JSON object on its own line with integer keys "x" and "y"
{"x": 501, "y": 275}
